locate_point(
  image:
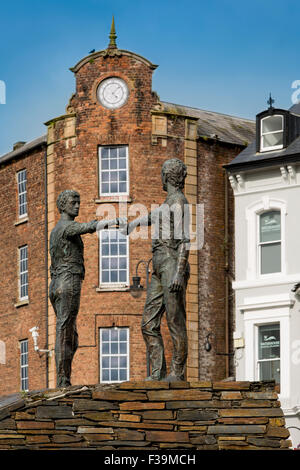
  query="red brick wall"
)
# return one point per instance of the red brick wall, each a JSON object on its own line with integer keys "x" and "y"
{"x": 212, "y": 258}
{"x": 76, "y": 167}
{"x": 15, "y": 322}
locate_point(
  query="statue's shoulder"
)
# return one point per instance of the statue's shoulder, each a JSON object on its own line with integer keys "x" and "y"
{"x": 178, "y": 198}
{"x": 58, "y": 230}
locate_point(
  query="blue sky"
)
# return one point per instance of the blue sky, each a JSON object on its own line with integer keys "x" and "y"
{"x": 220, "y": 55}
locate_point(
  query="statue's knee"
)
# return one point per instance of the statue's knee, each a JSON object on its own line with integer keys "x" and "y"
{"x": 147, "y": 329}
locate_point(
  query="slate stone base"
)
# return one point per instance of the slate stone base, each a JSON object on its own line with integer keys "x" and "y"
{"x": 146, "y": 415}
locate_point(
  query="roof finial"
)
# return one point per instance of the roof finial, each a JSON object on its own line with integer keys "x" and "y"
{"x": 112, "y": 36}
{"x": 270, "y": 102}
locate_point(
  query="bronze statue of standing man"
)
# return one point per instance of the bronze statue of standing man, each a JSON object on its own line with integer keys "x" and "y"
{"x": 170, "y": 248}
{"x": 67, "y": 272}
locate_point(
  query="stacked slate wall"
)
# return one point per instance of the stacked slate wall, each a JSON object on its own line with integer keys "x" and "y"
{"x": 146, "y": 415}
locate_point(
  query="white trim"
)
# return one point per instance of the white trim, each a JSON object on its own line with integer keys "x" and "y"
{"x": 22, "y": 220}
{"x": 124, "y": 193}
{"x": 240, "y": 180}
{"x": 24, "y": 366}
{"x": 20, "y": 260}
{"x": 257, "y": 360}
{"x": 21, "y": 193}
{"x": 255, "y": 306}
{"x": 292, "y": 172}
{"x": 261, "y": 317}
{"x": 266, "y": 190}
{"x": 112, "y": 285}
{"x": 253, "y": 211}
{"x": 284, "y": 174}
{"x": 260, "y": 244}
{"x": 295, "y": 411}
{"x": 272, "y": 281}
{"x": 233, "y": 182}
{"x": 127, "y": 355}
{"x": 262, "y": 134}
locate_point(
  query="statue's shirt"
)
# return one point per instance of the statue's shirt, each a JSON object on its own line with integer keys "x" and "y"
{"x": 66, "y": 247}
{"x": 171, "y": 221}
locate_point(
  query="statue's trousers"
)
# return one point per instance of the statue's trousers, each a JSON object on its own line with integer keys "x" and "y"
{"x": 159, "y": 300}
{"x": 64, "y": 294}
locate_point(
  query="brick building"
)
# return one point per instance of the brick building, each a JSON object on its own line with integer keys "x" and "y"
{"x": 110, "y": 145}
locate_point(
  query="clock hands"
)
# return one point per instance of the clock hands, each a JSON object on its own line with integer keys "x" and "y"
{"x": 112, "y": 92}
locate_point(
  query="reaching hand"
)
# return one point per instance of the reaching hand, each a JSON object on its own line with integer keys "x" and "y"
{"x": 177, "y": 283}
{"x": 121, "y": 222}
{"x": 128, "y": 228}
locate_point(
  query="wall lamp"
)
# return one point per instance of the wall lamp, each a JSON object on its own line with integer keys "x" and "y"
{"x": 208, "y": 346}
{"x": 136, "y": 288}
{"x": 35, "y": 334}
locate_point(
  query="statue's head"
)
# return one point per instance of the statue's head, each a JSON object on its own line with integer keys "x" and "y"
{"x": 174, "y": 172}
{"x": 68, "y": 201}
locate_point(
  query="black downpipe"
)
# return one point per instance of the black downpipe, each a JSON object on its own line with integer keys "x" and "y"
{"x": 46, "y": 263}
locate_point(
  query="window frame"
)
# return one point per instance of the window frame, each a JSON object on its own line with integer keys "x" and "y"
{"x": 20, "y": 273}
{"x": 252, "y": 213}
{"x": 262, "y": 134}
{"x": 270, "y": 312}
{"x": 257, "y": 360}
{"x": 20, "y": 193}
{"x": 101, "y": 354}
{"x": 114, "y": 194}
{"x": 260, "y": 244}
{"x": 24, "y": 366}
{"x": 113, "y": 284}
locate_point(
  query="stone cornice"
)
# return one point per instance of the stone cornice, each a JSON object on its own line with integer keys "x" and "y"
{"x": 111, "y": 53}
{"x": 59, "y": 118}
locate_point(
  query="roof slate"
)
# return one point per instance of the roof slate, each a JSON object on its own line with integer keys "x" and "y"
{"x": 24, "y": 149}
{"x": 249, "y": 156}
{"x": 230, "y": 129}
{"x": 226, "y": 128}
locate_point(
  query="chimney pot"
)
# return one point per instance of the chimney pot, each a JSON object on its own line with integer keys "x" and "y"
{"x": 19, "y": 144}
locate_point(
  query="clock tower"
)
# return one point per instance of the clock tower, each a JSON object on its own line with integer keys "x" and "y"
{"x": 110, "y": 147}
{"x": 103, "y": 148}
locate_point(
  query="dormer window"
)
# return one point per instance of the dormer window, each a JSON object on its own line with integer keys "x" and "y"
{"x": 271, "y": 133}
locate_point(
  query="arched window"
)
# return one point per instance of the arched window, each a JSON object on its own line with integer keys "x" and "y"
{"x": 270, "y": 242}
{"x": 271, "y": 133}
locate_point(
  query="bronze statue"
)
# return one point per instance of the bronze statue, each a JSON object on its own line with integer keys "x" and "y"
{"x": 167, "y": 289}
{"x": 67, "y": 273}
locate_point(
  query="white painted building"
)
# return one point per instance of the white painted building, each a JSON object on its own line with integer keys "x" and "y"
{"x": 265, "y": 178}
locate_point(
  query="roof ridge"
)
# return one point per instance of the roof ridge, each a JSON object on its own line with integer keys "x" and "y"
{"x": 209, "y": 111}
{"x": 27, "y": 146}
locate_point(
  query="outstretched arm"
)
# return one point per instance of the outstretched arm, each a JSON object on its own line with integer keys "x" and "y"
{"x": 141, "y": 221}
{"x": 76, "y": 228}
{"x": 118, "y": 222}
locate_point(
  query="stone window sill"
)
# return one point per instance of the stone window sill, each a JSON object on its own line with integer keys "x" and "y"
{"x": 106, "y": 199}
{"x": 113, "y": 288}
{"x": 21, "y": 221}
{"x": 21, "y": 303}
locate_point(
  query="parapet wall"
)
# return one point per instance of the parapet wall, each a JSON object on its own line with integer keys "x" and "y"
{"x": 146, "y": 415}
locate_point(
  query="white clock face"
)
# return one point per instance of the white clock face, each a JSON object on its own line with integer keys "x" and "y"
{"x": 112, "y": 92}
